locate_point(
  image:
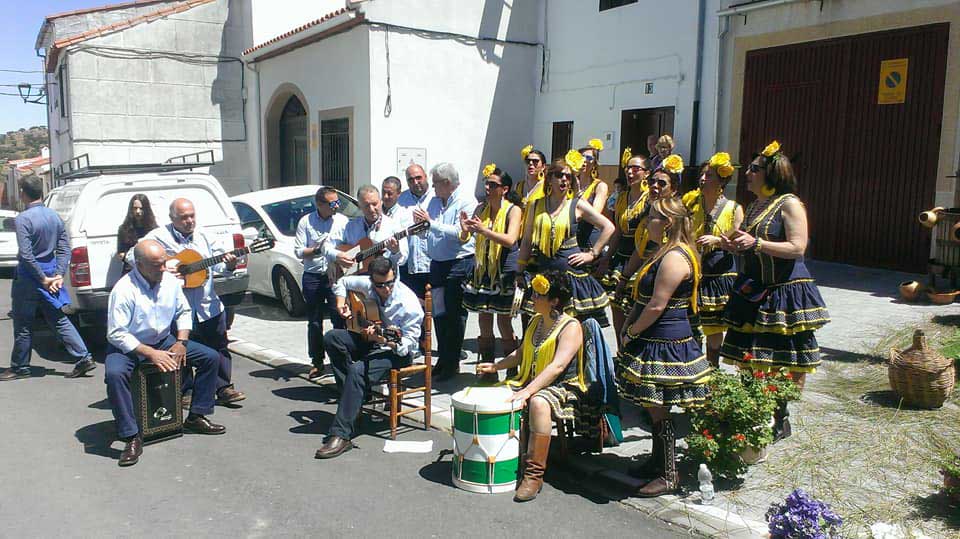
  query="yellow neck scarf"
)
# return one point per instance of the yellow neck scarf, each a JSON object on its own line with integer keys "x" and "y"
{"x": 694, "y": 264}
{"x": 693, "y": 201}
{"x": 488, "y": 251}
{"x": 624, "y": 215}
{"x": 588, "y": 192}
{"x": 533, "y": 360}
{"x": 549, "y": 233}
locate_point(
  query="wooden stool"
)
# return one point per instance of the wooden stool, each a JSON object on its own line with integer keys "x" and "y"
{"x": 398, "y": 379}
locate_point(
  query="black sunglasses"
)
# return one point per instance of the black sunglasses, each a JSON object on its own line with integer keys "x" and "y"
{"x": 533, "y": 161}
{"x": 493, "y": 185}
{"x": 754, "y": 167}
{"x": 385, "y": 284}
{"x": 659, "y": 183}
{"x": 566, "y": 175}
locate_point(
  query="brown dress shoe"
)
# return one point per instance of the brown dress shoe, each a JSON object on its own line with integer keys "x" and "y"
{"x": 82, "y": 367}
{"x": 229, "y": 395}
{"x": 13, "y": 374}
{"x": 532, "y": 481}
{"x": 333, "y": 447}
{"x": 131, "y": 452}
{"x": 198, "y": 424}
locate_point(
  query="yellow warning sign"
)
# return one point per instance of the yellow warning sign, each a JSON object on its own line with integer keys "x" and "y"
{"x": 893, "y": 82}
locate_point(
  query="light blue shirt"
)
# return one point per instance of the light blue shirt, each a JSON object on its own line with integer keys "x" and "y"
{"x": 203, "y": 300}
{"x": 313, "y": 231}
{"x": 418, "y": 259}
{"x": 443, "y": 238}
{"x": 358, "y": 228}
{"x": 401, "y": 309}
{"x": 142, "y": 314}
{"x": 41, "y": 237}
{"x": 401, "y": 215}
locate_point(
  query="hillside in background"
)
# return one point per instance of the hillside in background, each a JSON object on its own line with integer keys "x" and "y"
{"x": 22, "y": 143}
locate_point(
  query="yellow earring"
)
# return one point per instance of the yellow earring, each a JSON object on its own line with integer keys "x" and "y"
{"x": 767, "y": 190}
{"x": 540, "y": 176}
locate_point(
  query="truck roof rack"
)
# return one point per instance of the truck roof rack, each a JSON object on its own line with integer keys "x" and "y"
{"x": 80, "y": 167}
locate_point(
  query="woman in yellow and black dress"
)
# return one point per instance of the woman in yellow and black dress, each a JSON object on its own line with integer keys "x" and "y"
{"x": 714, "y": 216}
{"x": 591, "y": 188}
{"x": 661, "y": 364}
{"x": 550, "y": 239}
{"x": 496, "y": 227}
{"x": 775, "y": 306}
{"x": 551, "y": 376}
{"x": 530, "y": 187}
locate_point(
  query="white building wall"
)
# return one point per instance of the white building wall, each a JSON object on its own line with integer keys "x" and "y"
{"x": 464, "y": 101}
{"x": 272, "y": 18}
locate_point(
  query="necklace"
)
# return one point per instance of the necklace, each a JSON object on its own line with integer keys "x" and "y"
{"x": 753, "y": 212}
{"x": 540, "y": 336}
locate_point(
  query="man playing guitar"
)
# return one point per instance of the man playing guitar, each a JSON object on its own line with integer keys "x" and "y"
{"x": 363, "y": 357}
{"x": 373, "y": 224}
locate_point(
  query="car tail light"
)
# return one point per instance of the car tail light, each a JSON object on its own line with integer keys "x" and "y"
{"x": 79, "y": 267}
{"x": 239, "y": 243}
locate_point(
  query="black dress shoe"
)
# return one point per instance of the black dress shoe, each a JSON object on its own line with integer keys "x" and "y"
{"x": 441, "y": 374}
{"x": 333, "y": 447}
{"x": 13, "y": 374}
{"x": 131, "y": 452}
{"x": 198, "y": 424}
{"x": 82, "y": 367}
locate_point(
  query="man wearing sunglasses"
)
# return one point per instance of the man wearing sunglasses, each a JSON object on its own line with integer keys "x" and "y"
{"x": 416, "y": 272}
{"x": 311, "y": 247}
{"x": 361, "y": 360}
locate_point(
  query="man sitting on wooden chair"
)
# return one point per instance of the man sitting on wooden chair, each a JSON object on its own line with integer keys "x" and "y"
{"x": 385, "y": 319}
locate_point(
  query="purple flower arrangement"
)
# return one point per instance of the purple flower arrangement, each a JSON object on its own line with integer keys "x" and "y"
{"x": 802, "y": 517}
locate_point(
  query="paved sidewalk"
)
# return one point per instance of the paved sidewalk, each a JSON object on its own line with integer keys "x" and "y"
{"x": 863, "y": 305}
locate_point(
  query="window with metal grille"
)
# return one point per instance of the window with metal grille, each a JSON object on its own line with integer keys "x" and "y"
{"x": 335, "y": 153}
{"x": 62, "y": 80}
{"x": 610, "y": 4}
{"x": 562, "y": 139}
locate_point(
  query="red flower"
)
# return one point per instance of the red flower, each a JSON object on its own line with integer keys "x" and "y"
{"x": 759, "y": 374}
{"x": 748, "y": 357}
{"x": 739, "y": 437}
{"x": 772, "y": 388}
{"x": 706, "y": 432}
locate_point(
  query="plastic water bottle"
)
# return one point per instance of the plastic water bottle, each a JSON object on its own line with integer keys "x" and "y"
{"x": 706, "y": 484}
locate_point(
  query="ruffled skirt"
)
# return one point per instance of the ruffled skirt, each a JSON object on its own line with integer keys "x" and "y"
{"x": 588, "y": 299}
{"x": 484, "y": 298}
{"x": 663, "y": 372}
{"x": 713, "y": 297}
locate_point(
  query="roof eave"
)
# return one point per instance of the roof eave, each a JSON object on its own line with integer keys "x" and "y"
{"x": 336, "y": 25}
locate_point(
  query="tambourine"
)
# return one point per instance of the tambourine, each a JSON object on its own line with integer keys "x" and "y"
{"x": 517, "y": 304}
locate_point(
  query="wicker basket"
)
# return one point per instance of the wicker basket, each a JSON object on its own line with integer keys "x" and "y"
{"x": 921, "y": 376}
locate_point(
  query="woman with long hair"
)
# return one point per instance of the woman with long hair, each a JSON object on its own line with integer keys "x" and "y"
{"x": 496, "y": 226}
{"x": 135, "y": 225}
{"x": 714, "y": 217}
{"x": 550, "y": 239}
{"x": 775, "y": 305}
{"x": 661, "y": 363}
{"x": 591, "y": 188}
{"x": 551, "y": 374}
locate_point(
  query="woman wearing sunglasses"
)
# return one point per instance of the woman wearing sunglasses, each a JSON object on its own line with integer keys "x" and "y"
{"x": 714, "y": 217}
{"x": 775, "y": 306}
{"x": 550, "y": 239}
{"x": 591, "y": 188}
{"x": 531, "y": 187}
{"x": 496, "y": 226}
{"x": 661, "y": 364}
{"x": 627, "y": 216}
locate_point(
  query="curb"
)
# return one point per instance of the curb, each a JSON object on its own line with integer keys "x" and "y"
{"x": 682, "y": 511}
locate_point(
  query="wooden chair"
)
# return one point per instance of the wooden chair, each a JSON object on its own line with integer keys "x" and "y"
{"x": 398, "y": 378}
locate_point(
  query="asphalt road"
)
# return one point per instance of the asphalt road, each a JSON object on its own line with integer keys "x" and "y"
{"x": 60, "y": 476}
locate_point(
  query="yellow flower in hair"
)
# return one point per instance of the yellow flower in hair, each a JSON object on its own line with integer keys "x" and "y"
{"x": 771, "y": 149}
{"x": 721, "y": 163}
{"x": 673, "y": 164}
{"x": 626, "y": 157}
{"x": 574, "y": 160}
{"x": 596, "y": 144}
{"x": 526, "y": 151}
{"x": 540, "y": 285}
{"x": 488, "y": 170}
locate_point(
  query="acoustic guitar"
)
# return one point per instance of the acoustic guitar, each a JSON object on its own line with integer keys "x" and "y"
{"x": 194, "y": 268}
{"x": 364, "y": 251}
{"x": 365, "y": 313}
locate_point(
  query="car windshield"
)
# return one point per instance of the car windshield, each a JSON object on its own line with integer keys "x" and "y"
{"x": 285, "y": 214}
{"x": 7, "y": 224}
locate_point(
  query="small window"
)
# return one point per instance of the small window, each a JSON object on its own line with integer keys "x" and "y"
{"x": 610, "y": 4}
{"x": 61, "y": 84}
{"x": 562, "y": 139}
{"x": 335, "y": 153}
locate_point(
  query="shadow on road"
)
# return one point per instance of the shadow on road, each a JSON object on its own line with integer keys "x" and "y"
{"x": 438, "y": 471}
{"x": 318, "y": 394}
{"x": 315, "y": 422}
{"x": 97, "y": 438}
{"x": 103, "y": 404}
{"x": 277, "y": 374}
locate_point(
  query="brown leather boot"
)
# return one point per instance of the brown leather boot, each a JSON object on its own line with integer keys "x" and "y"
{"x": 532, "y": 480}
{"x": 486, "y": 346}
{"x": 653, "y": 466}
{"x": 668, "y": 482}
{"x": 509, "y": 345}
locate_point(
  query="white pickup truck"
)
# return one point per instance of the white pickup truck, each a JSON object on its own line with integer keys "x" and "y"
{"x": 94, "y": 207}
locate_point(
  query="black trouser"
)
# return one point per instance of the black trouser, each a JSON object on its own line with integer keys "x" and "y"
{"x": 414, "y": 281}
{"x": 320, "y": 300}
{"x": 355, "y": 367}
{"x": 451, "y": 325}
{"x": 212, "y": 333}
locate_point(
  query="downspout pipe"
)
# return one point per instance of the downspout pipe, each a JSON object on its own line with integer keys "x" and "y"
{"x": 253, "y": 66}
{"x": 698, "y": 89}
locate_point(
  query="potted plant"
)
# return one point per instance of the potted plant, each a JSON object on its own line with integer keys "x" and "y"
{"x": 801, "y": 517}
{"x": 735, "y": 424}
{"x": 949, "y": 463}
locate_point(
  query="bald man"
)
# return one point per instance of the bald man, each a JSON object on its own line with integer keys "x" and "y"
{"x": 143, "y": 305}
{"x": 209, "y": 315}
{"x": 416, "y": 271}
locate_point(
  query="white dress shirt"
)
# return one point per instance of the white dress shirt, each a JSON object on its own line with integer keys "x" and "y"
{"x": 401, "y": 309}
{"x": 444, "y": 234}
{"x": 358, "y": 228}
{"x": 142, "y": 314}
{"x": 418, "y": 260}
{"x": 313, "y": 231}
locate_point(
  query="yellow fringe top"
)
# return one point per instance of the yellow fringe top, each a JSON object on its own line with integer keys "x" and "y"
{"x": 694, "y": 261}
{"x": 622, "y": 215}
{"x": 534, "y": 359}
{"x": 488, "y": 251}
{"x": 549, "y": 233}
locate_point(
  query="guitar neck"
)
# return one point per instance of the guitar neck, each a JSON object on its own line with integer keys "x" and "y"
{"x": 214, "y": 260}
{"x": 381, "y": 245}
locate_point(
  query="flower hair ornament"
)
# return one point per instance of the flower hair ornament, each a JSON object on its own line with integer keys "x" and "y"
{"x": 772, "y": 150}
{"x": 596, "y": 144}
{"x": 673, "y": 164}
{"x": 525, "y": 151}
{"x": 720, "y": 162}
{"x": 626, "y": 157}
{"x": 574, "y": 160}
{"x": 540, "y": 285}
{"x": 488, "y": 170}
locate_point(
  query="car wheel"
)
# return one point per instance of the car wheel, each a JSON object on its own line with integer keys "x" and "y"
{"x": 287, "y": 290}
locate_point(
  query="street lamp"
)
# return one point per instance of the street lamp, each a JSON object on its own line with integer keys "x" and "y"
{"x": 29, "y": 94}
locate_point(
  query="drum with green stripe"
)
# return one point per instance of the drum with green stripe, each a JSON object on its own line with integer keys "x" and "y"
{"x": 486, "y": 440}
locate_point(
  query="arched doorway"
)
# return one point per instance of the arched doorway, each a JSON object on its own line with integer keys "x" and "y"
{"x": 293, "y": 143}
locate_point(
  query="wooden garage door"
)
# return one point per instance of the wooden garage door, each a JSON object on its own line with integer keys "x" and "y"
{"x": 865, "y": 170}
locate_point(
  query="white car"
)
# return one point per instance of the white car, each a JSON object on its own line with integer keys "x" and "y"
{"x": 275, "y": 213}
{"x": 8, "y": 239}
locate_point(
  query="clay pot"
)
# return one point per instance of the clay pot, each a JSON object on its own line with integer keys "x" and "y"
{"x": 929, "y": 217}
{"x": 942, "y": 298}
{"x": 910, "y": 290}
{"x": 751, "y": 456}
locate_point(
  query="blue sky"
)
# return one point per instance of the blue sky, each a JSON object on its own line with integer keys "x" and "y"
{"x": 17, "y": 39}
